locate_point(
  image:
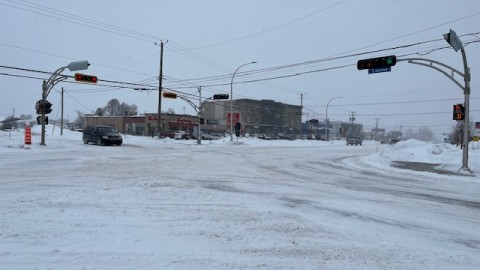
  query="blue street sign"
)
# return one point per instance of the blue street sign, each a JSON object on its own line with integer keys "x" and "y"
{"x": 379, "y": 70}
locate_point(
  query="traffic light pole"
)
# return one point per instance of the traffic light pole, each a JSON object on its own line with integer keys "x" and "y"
{"x": 466, "y": 90}
{"x": 46, "y": 88}
{"x": 51, "y": 82}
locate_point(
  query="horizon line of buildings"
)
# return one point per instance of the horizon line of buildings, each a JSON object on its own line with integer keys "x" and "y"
{"x": 256, "y": 117}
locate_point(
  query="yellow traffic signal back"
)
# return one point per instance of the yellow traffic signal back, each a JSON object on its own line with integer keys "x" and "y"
{"x": 85, "y": 78}
{"x": 169, "y": 95}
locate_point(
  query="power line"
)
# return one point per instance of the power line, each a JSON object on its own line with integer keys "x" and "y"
{"x": 272, "y": 28}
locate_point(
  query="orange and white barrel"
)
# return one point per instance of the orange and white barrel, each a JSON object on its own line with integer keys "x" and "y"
{"x": 28, "y": 135}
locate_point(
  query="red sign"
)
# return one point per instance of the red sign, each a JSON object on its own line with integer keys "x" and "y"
{"x": 236, "y": 118}
{"x": 154, "y": 118}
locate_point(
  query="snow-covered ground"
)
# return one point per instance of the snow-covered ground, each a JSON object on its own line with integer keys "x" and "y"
{"x": 166, "y": 204}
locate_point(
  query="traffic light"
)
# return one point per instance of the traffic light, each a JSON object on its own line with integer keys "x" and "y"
{"x": 202, "y": 121}
{"x": 221, "y": 96}
{"x": 458, "y": 112}
{"x": 169, "y": 95}
{"x": 379, "y": 62}
{"x": 40, "y": 120}
{"x": 85, "y": 78}
{"x": 48, "y": 107}
{"x": 43, "y": 107}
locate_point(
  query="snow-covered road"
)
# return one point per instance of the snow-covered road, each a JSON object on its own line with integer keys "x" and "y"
{"x": 153, "y": 204}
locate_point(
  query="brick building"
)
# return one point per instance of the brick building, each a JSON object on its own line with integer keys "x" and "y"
{"x": 256, "y": 116}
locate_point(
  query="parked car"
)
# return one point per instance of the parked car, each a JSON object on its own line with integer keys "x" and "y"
{"x": 182, "y": 135}
{"x": 101, "y": 135}
{"x": 264, "y": 136}
{"x": 351, "y": 140}
{"x": 217, "y": 136}
{"x": 170, "y": 135}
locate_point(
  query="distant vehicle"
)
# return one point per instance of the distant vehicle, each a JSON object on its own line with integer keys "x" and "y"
{"x": 101, "y": 135}
{"x": 351, "y": 140}
{"x": 286, "y": 137}
{"x": 182, "y": 135}
{"x": 205, "y": 136}
{"x": 170, "y": 135}
{"x": 217, "y": 136}
{"x": 264, "y": 136}
{"x": 393, "y": 141}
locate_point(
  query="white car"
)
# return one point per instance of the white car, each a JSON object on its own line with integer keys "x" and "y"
{"x": 179, "y": 135}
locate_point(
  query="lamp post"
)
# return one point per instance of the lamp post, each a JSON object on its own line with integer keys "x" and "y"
{"x": 457, "y": 45}
{"x": 231, "y": 99}
{"x": 326, "y": 117}
{"x": 52, "y": 81}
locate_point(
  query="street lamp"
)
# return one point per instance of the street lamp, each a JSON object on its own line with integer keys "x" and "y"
{"x": 231, "y": 99}
{"x": 326, "y": 117}
{"x": 52, "y": 81}
{"x": 457, "y": 45}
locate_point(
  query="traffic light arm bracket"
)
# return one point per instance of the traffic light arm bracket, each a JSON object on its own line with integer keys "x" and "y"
{"x": 52, "y": 81}
{"x": 195, "y": 107}
{"x": 430, "y": 63}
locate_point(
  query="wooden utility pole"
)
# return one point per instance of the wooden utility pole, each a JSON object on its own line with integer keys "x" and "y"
{"x": 160, "y": 77}
{"x": 301, "y": 114}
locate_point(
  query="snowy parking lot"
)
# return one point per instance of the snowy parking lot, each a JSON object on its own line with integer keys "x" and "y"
{"x": 173, "y": 204}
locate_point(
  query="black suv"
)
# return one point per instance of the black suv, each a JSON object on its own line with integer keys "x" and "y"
{"x": 101, "y": 135}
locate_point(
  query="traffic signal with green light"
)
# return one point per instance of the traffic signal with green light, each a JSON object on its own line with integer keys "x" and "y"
{"x": 379, "y": 62}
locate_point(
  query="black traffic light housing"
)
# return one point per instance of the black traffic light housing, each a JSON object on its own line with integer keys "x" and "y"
{"x": 85, "y": 78}
{"x": 40, "y": 120}
{"x": 169, "y": 95}
{"x": 202, "y": 121}
{"x": 379, "y": 62}
{"x": 43, "y": 107}
{"x": 221, "y": 96}
{"x": 458, "y": 112}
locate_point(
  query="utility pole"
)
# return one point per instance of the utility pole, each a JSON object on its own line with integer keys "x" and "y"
{"x": 160, "y": 78}
{"x": 61, "y": 116}
{"x": 199, "y": 136}
{"x": 376, "y": 128}
{"x": 301, "y": 109}
{"x": 352, "y": 119}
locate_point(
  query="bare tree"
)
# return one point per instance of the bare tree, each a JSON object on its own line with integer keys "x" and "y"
{"x": 456, "y": 136}
{"x": 81, "y": 119}
{"x": 99, "y": 112}
{"x": 112, "y": 108}
{"x": 115, "y": 108}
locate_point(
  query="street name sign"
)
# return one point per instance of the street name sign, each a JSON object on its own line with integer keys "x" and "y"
{"x": 379, "y": 70}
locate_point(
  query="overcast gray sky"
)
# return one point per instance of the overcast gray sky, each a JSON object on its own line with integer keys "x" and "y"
{"x": 296, "y": 45}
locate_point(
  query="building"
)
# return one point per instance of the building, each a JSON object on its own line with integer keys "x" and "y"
{"x": 146, "y": 125}
{"x": 256, "y": 117}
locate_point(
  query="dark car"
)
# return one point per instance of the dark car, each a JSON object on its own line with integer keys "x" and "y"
{"x": 351, "y": 140}
{"x": 102, "y": 135}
